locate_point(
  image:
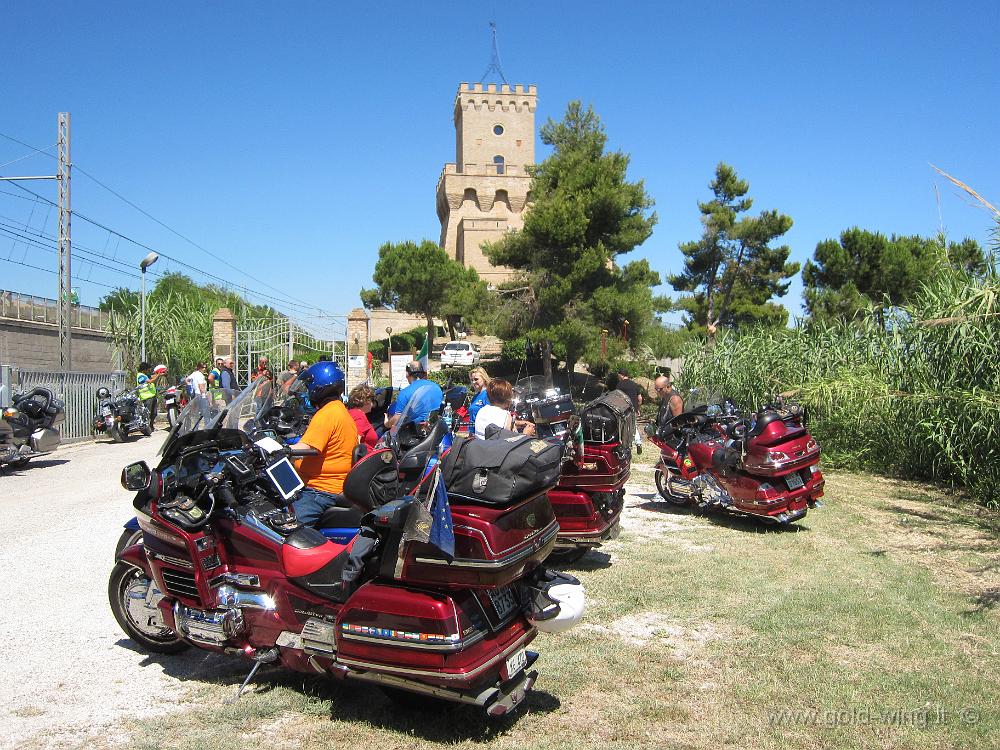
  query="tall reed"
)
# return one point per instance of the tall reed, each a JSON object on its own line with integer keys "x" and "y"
{"x": 918, "y": 397}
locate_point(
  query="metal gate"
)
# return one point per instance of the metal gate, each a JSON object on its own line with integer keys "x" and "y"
{"x": 78, "y": 390}
{"x": 282, "y": 339}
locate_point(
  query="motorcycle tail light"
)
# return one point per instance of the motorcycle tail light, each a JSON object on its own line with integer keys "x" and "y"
{"x": 776, "y": 456}
{"x": 811, "y": 445}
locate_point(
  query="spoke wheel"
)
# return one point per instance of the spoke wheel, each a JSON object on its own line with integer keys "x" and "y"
{"x": 663, "y": 482}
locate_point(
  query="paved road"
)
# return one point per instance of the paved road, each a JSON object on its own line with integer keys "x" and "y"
{"x": 69, "y": 674}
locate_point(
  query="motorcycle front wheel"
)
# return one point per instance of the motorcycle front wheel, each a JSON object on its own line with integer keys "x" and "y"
{"x": 663, "y": 487}
{"x": 172, "y": 417}
{"x": 116, "y": 433}
{"x": 127, "y": 539}
{"x": 136, "y": 612}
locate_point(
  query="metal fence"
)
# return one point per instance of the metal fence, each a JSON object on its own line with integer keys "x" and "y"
{"x": 78, "y": 390}
{"x": 41, "y": 310}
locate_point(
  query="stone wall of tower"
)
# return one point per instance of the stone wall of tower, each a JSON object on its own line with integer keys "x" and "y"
{"x": 484, "y": 193}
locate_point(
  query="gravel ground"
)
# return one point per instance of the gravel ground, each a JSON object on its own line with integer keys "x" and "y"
{"x": 69, "y": 674}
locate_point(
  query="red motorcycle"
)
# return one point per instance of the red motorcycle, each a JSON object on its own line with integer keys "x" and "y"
{"x": 590, "y": 495}
{"x": 765, "y": 465}
{"x": 224, "y": 566}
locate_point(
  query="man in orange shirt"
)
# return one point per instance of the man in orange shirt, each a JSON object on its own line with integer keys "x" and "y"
{"x": 326, "y": 446}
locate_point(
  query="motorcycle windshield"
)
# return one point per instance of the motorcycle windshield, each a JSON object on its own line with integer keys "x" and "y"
{"x": 203, "y": 413}
{"x": 407, "y": 417}
{"x": 703, "y": 399}
{"x": 535, "y": 386}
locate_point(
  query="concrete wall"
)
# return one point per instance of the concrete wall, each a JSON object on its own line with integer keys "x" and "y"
{"x": 35, "y": 346}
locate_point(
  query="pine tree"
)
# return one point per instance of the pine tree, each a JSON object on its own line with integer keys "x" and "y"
{"x": 732, "y": 272}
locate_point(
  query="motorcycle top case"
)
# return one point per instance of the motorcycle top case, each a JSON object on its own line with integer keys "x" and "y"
{"x": 609, "y": 419}
{"x": 501, "y": 469}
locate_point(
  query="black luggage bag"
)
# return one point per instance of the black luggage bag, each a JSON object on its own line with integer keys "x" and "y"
{"x": 609, "y": 419}
{"x": 503, "y": 468}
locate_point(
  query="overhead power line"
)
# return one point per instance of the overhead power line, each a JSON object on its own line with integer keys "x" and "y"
{"x": 289, "y": 302}
{"x": 284, "y": 297}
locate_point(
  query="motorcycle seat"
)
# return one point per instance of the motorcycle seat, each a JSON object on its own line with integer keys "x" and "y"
{"x": 340, "y": 517}
{"x": 315, "y": 563}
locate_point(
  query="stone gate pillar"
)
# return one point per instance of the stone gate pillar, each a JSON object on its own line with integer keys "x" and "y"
{"x": 223, "y": 334}
{"x": 357, "y": 347}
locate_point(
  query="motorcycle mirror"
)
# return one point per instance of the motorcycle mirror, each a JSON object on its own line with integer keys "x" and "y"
{"x": 136, "y": 477}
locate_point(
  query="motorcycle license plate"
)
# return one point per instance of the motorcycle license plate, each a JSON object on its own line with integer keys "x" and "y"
{"x": 516, "y": 662}
{"x": 793, "y": 480}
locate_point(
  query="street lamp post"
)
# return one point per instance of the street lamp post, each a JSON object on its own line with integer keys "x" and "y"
{"x": 143, "y": 265}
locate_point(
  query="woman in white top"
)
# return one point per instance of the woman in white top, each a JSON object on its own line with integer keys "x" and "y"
{"x": 497, "y": 412}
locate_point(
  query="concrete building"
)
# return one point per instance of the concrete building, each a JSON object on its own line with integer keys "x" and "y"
{"x": 484, "y": 193}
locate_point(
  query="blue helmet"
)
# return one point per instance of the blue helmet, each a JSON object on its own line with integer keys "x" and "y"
{"x": 324, "y": 381}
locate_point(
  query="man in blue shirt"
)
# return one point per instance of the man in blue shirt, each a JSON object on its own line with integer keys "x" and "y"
{"x": 425, "y": 394}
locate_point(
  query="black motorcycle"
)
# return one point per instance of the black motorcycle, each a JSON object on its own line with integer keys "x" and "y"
{"x": 29, "y": 428}
{"x": 121, "y": 413}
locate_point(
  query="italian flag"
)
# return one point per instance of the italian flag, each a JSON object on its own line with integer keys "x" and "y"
{"x": 422, "y": 358}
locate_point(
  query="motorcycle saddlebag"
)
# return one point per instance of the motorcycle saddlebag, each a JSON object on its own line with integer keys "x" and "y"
{"x": 501, "y": 469}
{"x": 609, "y": 419}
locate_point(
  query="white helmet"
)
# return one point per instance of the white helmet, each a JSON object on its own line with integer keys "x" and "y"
{"x": 572, "y": 601}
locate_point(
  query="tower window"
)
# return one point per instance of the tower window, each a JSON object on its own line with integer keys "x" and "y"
{"x": 498, "y": 161}
{"x": 498, "y": 130}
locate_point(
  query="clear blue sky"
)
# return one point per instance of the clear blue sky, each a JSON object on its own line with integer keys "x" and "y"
{"x": 292, "y": 139}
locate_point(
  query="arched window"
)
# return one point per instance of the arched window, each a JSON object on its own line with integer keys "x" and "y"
{"x": 498, "y": 160}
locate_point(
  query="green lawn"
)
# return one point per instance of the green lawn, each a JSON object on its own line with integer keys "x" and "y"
{"x": 873, "y": 624}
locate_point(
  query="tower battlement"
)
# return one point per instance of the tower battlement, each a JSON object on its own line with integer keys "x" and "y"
{"x": 480, "y": 96}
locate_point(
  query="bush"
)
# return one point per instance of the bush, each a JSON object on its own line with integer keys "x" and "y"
{"x": 513, "y": 349}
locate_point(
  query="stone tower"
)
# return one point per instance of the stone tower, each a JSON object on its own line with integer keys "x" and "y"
{"x": 483, "y": 194}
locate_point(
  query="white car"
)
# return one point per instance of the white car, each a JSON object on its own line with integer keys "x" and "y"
{"x": 459, "y": 353}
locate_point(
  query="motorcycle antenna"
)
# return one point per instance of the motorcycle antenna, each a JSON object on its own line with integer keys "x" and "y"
{"x": 495, "y": 65}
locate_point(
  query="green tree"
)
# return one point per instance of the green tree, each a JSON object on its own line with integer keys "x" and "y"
{"x": 732, "y": 272}
{"x": 584, "y": 215}
{"x": 423, "y": 280}
{"x": 866, "y": 270}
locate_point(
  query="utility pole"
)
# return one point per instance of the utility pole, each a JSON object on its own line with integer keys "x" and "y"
{"x": 64, "y": 309}
{"x": 65, "y": 247}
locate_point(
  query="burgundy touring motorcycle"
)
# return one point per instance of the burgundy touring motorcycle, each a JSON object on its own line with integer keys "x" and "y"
{"x": 764, "y": 465}
{"x": 418, "y": 602}
{"x": 590, "y": 494}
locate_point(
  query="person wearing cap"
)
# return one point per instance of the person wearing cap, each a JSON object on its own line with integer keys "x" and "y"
{"x": 425, "y": 394}
{"x": 145, "y": 381}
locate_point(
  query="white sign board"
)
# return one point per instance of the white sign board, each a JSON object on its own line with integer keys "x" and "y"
{"x": 359, "y": 362}
{"x": 397, "y": 369}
